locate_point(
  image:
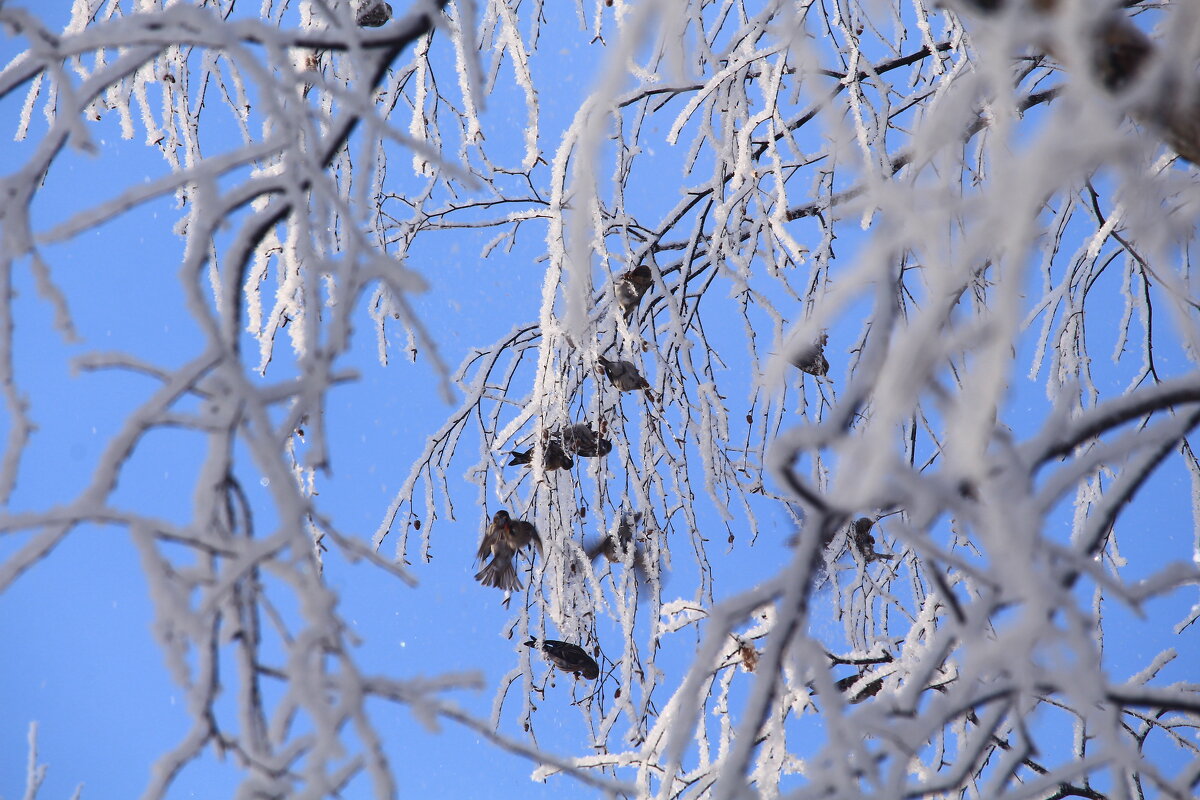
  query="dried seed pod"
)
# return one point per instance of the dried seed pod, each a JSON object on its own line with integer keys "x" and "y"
{"x": 749, "y": 656}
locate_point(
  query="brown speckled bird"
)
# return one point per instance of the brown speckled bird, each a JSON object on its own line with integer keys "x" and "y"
{"x": 522, "y": 534}
{"x": 630, "y": 288}
{"x": 568, "y": 657}
{"x": 502, "y": 540}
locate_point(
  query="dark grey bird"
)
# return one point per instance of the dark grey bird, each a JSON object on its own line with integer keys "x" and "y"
{"x": 624, "y": 375}
{"x": 868, "y": 690}
{"x": 843, "y": 685}
{"x": 568, "y": 657}
{"x": 864, "y": 541}
{"x": 582, "y": 440}
{"x": 631, "y": 287}
{"x": 812, "y": 359}
{"x": 373, "y": 14}
{"x": 552, "y": 458}
{"x": 503, "y": 539}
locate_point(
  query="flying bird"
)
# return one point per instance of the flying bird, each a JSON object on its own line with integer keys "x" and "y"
{"x": 625, "y": 376}
{"x": 553, "y": 457}
{"x": 503, "y": 539}
{"x": 500, "y": 571}
{"x": 521, "y": 534}
{"x": 619, "y": 545}
{"x": 373, "y": 14}
{"x": 568, "y": 657}
{"x": 581, "y": 440}
{"x": 630, "y": 288}
{"x": 614, "y": 546}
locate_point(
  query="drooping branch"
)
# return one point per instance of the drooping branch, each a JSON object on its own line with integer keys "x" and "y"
{"x": 1159, "y": 86}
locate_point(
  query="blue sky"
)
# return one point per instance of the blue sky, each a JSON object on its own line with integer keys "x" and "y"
{"x": 80, "y": 655}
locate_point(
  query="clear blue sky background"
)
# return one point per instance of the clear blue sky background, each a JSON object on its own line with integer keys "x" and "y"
{"x": 80, "y": 657}
{"x": 78, "y": 654}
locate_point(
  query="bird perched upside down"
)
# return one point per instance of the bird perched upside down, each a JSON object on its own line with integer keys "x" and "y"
{"x": 864, "y": 542}
{"x": 630, "y": 288}
{"x": 373, "y": 14}
{"x": 812, "y": 359}
{"x": 581, "y": 440}
{"x": 624, "y": 375}
{"x": 568, "y": 657}
{"x": 553, "y": 457}
{"x": 502, "y": 540}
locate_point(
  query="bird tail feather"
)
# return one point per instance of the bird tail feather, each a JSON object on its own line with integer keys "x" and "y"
{"x": 501, "y": 573}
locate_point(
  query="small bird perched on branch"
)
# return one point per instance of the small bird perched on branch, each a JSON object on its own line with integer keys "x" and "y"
{"x": 625, "y": 376}
{"x": 553, "y": 457}
{"x": 373, "y": 14}
{"x": 503, "y": 539}
{"x": 581, "y": 440}
{"x": 864, "y": 541}
{"x": 630, "y": 288}
{"x": 812, "y": 358}
{"x": 865, "y": 692}
{"x": 568, "y": 657}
